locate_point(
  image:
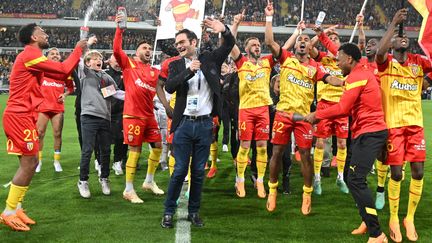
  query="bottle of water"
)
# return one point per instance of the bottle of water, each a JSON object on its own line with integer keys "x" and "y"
{"x": 320, "y": 18}
{"x": 123, "y": 23}
{"x": 84, "y": 30}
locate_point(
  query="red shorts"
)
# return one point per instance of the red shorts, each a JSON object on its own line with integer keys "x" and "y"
{"x": 254, "y": 123}
{"x": 170, "y": 135}
{"x": 51, "y": 114}
{"x": 328, "y": 127}
{"x": 406, "y": 144}
{"x": 283, "y": 126}
{"x": 21, "y": 133}
{"x": 136, "y": 131}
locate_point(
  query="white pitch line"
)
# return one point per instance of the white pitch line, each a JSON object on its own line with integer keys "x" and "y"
{"x": 183, "y": 234}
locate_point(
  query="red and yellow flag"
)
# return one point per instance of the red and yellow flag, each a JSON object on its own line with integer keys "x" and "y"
{"x": 424, "y": 7}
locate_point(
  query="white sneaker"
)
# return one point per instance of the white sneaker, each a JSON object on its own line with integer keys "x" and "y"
{"x": 57, "y": 166}
{"x": 97, "y": 167}
{"x": 117, "y": 167}
{"x": 38, "y": 167}
{"x": 152, "y": 187}
{"x": 224, "y": 148}
{"x": 105, "y": 184}
{"x": 83, "y": 188}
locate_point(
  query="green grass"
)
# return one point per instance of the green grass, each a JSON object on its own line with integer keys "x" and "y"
{"x": 62, "y": 216}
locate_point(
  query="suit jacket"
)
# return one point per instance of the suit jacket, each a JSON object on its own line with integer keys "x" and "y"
{"x": 211, "y": 63}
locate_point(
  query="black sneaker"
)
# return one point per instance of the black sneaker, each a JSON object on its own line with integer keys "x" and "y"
{"x": 195, "y": 219}
{"x": 167, "y": 221}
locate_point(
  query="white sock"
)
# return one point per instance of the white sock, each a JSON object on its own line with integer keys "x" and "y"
{"x": 260, "y": 179}
{"x": 238, "y": 179}
{"x": 340, "y": 176}
{"x": 317, "y": 177}
{"x": 9, "y": 212}
{"x": 129, "y": 186}
{"x": 149, "y": 178}
{"x": 19, "y": 206}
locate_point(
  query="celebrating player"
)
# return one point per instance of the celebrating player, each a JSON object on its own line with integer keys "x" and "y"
{"x": 297, "y": 78}
{"x": 401, "y": 77}
{"x": 52, "y": 108}
{"x": 254, "y": 90}
{"x": 139, "y": 123}
{"x": 19, "y": 121}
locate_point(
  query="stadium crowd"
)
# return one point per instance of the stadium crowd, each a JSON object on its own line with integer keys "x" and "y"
{"x": 288, "y": 12}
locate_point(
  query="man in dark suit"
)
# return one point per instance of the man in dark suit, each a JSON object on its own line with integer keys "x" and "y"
{"x": 195, "y": 79}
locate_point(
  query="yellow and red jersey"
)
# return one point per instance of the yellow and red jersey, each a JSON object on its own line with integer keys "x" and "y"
{"x": 140, "y": 82}
{"x": 254, "y": 81}
{"x": 362, "y": 100}
{"x": 27, "y": 73}
{"x": 401, "y": 87}
{"x": 51, "y": 90}
{"x": 297, "y": 83}
{"x": 326, "y": 91}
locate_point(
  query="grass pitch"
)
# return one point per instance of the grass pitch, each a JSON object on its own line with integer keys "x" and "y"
{"x": 63, "y": 216}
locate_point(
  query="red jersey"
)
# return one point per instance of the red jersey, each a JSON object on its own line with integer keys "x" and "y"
{"x": 51, "y": 90}
{"x": 371, "y": 65}
{"x": 362, "y": 100}
{"x": 139, "y": 80}
{"x": 27, "y": 73}
{"x": 163, "y": 75}
{"x": 331, "y": 47}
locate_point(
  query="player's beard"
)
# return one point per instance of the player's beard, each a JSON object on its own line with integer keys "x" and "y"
{"x": 253, "y": 55}
{"x": 44, "y": 45}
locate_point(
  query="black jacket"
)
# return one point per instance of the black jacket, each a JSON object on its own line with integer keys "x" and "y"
{"x": 211, "y": 63}
{"x": 116, "y": 104}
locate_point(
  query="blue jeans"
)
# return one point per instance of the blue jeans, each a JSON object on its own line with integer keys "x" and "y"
{"x": 191, "y": 138}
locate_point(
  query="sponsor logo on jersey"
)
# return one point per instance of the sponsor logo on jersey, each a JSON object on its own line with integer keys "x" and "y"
{"x": 253, "y": 78}
{"x": 144, "y": 85}
{"x": 299, "y": 82}
{"x": 408, "y": 87}
{"x": 334, "y": 72}
{"x": 52, "y": 84}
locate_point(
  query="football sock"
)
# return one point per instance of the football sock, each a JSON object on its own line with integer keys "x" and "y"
{"x": 393, "y": 196}
{"x": 318, "y": 159}
{"x": 415, "y": 191}
{"x": 213, "y": 154}
{"x": 261, "y": 162}
{"x": 242, "y": 160}
{"x": 153, "y": 163}
{"x": 340, "y": 159}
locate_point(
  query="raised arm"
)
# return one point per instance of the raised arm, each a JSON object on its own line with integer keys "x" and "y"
{"x": 119, "y": 54}
{"x": 222, "y": 52}
{"x": 291, "y": 41}
{"x": 38, "y": 62}
{"x": 235, "y": 52}
{"x": 385, "y": 42}
{"x": 362, "y": 36}
{"x": 269, "y": 38}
